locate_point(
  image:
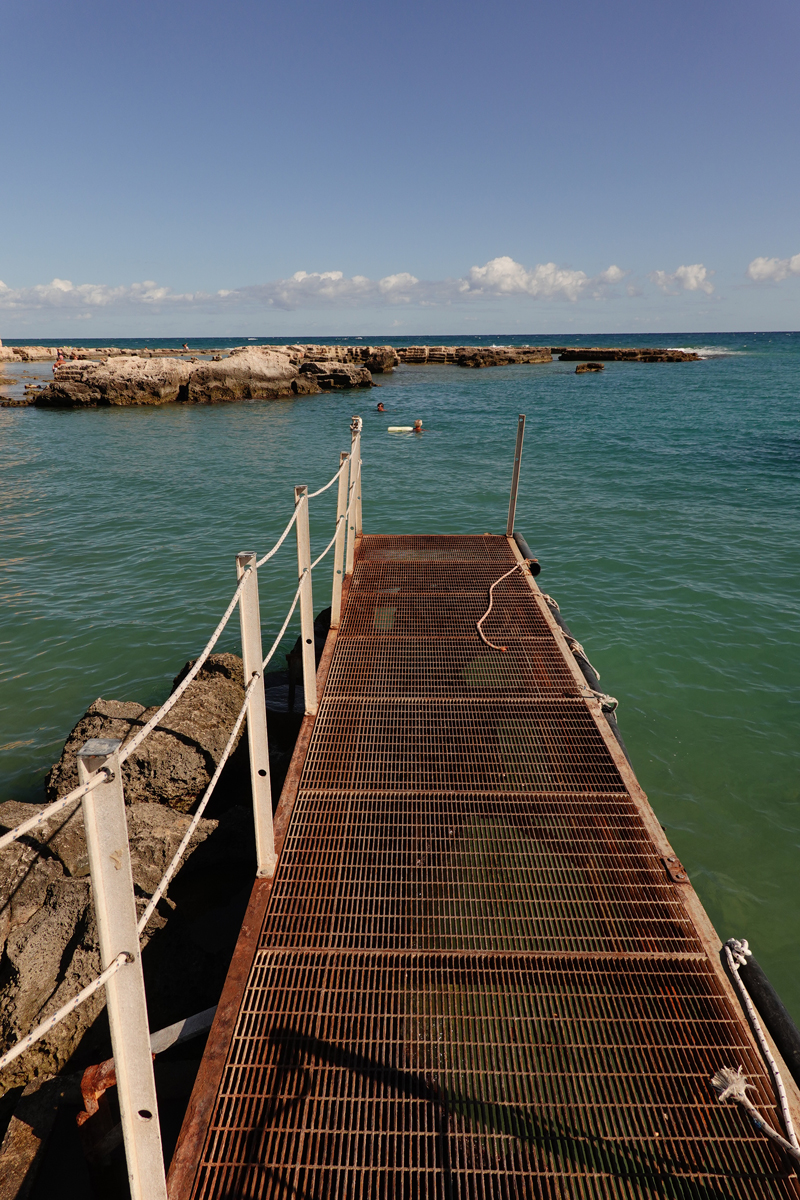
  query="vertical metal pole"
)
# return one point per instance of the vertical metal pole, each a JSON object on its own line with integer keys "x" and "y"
{"x": 306, "y": 600}
{"x": 512, "y": 504}
{"x": 355, "y": 468}
{"x": 338, "y": 549}
{"x": 258, "y": 744}
{"x": 115, "y": 908}
{"x": 351, "y": 519}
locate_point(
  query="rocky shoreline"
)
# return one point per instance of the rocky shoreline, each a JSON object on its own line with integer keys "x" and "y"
{"x": 114, "y": 376}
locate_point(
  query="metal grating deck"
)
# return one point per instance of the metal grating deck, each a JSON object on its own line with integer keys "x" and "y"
{"x": 474, "y": 977}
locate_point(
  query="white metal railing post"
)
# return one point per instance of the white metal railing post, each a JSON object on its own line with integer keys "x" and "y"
{"x": 258, "y": 744}
{"x": 338, "y": 551}
{"x": 356, "y": 425}
{"x": 115, "y": 908}
{"x": 306, "y": 600}
{"x": 512, "y": 504}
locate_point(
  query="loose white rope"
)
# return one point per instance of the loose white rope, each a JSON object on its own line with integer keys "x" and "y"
{"x": 102, "y": 776}
{"x": 732, "y": 1085}
{"x": 72, "y": 1004}
{"x": 489, "y": 609}
{"x": 187, "y": 837}
{"x": 737, "y": 953}
{"x": 329, "y": 483}
{"x": 279, "y": 542}
{"x": 172, "y": 700}
{"x": 276, "y": 643}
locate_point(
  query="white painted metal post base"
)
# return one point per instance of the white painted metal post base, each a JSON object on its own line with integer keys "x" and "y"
{"x": 306, "y": 600}
{"x": 115, "y": 908}
{"x": 512, "y": 504}
{"x": 258, "y": 744}
{"x": 341, "y": 533}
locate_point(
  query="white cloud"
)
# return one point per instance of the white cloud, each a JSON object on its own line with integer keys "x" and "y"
{"x": 689, "y": 279}
{"x": 62, "y": 293}
{"x": 775, "y": 269}
{"x": 499, "y": 278}
{"x": 505, "y": 277}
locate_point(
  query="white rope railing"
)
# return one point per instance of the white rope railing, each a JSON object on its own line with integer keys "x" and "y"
{"x": 343, "y": 517}
{"x": 102, "y": 776}
{"x": 277, "y": 641}
{"x": 279, "y": 542}
{"x": 65, "y": 1010}
{"x": 172, "y": 700}
{"x": 330, "y": 482}
{"x": 195, "y": 821}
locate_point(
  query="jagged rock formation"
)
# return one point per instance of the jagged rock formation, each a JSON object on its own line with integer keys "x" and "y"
{"x": 247, "y": 373}
{"x": 125, "y": 381}
{"x": 47, "y": 931}
{"x": 250, "y": 373}
{"x": 174, "y": 765}
{"x": 48, "y": 939}
{"x": 330, "y": 373}
{"x": 474, "y": 356}
{"x": 584, "y": 367}
{"x": 601, "y": 354}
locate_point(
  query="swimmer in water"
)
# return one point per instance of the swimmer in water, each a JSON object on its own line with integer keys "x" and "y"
{"x": 418, "y": 427}
{"x": 381, "y": 408}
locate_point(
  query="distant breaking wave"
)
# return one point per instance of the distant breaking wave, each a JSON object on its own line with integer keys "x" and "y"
{"x": 707, "y": 351}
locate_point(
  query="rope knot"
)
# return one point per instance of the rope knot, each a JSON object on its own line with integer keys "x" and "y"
{"x": 740, "y": 951}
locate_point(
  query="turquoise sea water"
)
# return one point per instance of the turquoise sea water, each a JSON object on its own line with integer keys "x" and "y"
{"x": 662, "y": 500}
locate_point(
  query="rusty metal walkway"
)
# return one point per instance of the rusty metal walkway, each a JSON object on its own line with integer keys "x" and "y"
{"x": 472, "y": 975}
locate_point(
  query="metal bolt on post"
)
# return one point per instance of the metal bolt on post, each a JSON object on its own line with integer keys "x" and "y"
{"x": 306, "y": 600}
{"x": 115, "y": 908}
{"x": 512, "y": 504}
{"x": 258, "y": 744}
{"x": 338, "y": 549}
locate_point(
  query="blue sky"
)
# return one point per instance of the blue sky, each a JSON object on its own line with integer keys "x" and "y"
{"x": 371, "y": 168}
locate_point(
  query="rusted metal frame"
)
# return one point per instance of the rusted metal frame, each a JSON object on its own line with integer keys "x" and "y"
{"x": 204, "y": 1094}
{"x": 707, "y": 934}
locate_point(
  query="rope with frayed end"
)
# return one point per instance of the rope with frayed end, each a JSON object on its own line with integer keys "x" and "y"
{"x": 732, "y": 1085}
{"x": 737, "y": 953}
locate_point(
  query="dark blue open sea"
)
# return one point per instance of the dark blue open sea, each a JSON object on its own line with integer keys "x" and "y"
{"x": 663, "y": 501}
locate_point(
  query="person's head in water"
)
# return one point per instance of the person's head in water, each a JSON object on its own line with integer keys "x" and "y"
{"x": 380, "y": 407}
{"x": 418, "y": 427}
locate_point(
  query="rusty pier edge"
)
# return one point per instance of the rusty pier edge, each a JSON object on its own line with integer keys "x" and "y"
{"x": 485, "y": 976}
{"x": 183, "y": 1167}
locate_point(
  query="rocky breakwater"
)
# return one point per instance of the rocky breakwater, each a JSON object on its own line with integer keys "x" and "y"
{"x": 379, "y": 360}
{"x": 27, "y": 353}
{"x": 247, "y": 373}
{"x": 603, "y": 354}
{"x": 474, "y": 356}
